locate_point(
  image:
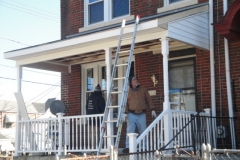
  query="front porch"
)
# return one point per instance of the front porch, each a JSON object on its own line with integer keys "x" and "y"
{"x": 163, "y": 34}
{"x": 74, "y": 134}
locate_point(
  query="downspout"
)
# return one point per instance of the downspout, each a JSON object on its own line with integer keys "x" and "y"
{"x": 228, "y": 81}
{"x": 212, "y": 69}
{"x": 211, "y": 43}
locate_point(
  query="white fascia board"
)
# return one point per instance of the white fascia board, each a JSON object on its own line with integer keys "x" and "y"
{"x": 49, "y": 66}
{"x": 78, "y": 42}
{"x": 99, "y": 46}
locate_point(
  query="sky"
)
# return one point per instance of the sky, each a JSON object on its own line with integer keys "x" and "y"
{"x": 26, "y": 23}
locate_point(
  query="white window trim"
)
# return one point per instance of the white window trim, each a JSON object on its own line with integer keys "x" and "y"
{"x": 107, "y": 12}
{"x": 176, "y": 5}
{"x": 97, "y": 66}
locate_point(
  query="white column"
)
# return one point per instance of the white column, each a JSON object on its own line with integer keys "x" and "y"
{"x": 228, "y": 82}
{"x": 60, "y": 146}
{"x": 132, "y": 142}
{"x": 212, "y": 68}
{"x": 165, "y": 53}
{"x": 108, "y": 61}
{"x": 18, "y": 129}
{"x": 166, "y": 105}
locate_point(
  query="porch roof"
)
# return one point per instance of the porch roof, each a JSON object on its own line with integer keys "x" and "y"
{"x": 90, "y": 46}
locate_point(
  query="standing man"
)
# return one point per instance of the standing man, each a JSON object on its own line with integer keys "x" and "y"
{"x": 135, "y": 112}
{"x": 95, "y": 105}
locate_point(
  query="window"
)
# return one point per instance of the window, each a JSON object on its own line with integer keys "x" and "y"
{"x": 173, "y": 1}
{"x": 94, "y": 74}
{"x": 104, "y": 10}
{"x": 182, "y": 79}
{"x": 120, "y": 8}
{"x": 95, "y": 10}
{"x": 90, "y": 79}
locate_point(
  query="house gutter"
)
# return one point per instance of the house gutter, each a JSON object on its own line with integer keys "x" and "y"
{"x": 228, "y": 81}
{"x": 159, "y": 15}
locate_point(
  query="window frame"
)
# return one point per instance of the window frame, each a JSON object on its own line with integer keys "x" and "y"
{"x": 98, "y": 77}
{"x": 107, "y": 12}
{"x": 195, "y": 76}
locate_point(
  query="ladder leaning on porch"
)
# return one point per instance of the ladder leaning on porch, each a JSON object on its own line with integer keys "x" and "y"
{"x": 124, "y": 92}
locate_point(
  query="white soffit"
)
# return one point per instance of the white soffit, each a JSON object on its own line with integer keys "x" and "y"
{"x": 83, "y": 44}
{"x": 192, "y": 30}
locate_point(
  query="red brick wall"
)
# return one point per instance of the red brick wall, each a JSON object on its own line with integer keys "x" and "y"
{"x": 235, "y": 76}
{"x": 71, "y": 91}
{"x": 147, "y": 64}
{"x": 145, "y": 8}
{"x": 203, "y": 79}
{"x": 72, "y": 17}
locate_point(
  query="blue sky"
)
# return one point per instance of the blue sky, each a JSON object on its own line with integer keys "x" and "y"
{"x": 29, "y": 22}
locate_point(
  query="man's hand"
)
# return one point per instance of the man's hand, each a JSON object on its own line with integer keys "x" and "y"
{"x": 124, "y": 117}
{"x": 154, "y": 115}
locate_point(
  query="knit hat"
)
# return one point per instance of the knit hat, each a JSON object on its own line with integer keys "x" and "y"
{"x": 130, "y": 80}
{"x": 98, "y": 88}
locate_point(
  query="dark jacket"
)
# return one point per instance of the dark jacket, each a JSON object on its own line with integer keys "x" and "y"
{"x": 95, "y": 105}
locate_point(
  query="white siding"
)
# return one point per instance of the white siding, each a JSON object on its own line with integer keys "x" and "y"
{"x": 192, "y": 30}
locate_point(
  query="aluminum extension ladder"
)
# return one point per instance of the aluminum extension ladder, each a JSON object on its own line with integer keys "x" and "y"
{"x": 124, "y": 92}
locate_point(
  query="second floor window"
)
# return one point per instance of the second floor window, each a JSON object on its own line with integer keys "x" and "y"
{"x": 104, "y": 10}
{"x": 120, "y": 8}
{"x": 95, "y": 11}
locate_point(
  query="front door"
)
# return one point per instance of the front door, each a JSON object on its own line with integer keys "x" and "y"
{"x": 94, "y": 74}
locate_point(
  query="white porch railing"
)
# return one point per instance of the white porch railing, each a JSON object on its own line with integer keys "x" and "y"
{"x": 81, "y": 133}
{"x": 77, "y": 133}
{"x": 153, "y": 137}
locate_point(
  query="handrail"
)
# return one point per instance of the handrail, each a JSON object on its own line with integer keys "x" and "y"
{"x": 36, "y": 120}
{"x": 82, "y": 116}
{"x": 189, "y": 122}
{"x": 151, "y": 126}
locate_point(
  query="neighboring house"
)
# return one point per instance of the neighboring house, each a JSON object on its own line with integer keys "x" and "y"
{"x": 175, "y": 43}
{"x": 8, "y": 113}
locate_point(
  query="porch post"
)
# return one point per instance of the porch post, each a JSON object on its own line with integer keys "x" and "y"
{"x": 108, "y": 61}
{"x": 60, "y": 133}
{"x": 18, "y": 129}
{"x": 166, "y": 105}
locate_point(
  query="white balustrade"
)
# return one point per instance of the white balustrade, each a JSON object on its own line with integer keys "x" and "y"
{"x": 76, "y": 133}
{"x": 82, "y": 133}
{"x": 153, "y": 137}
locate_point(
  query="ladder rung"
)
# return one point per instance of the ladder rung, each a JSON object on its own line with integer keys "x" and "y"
{"x": 124, "y": 64}
{"x": 112, "y": 136}
{"x": 126, "y": 38}
{"x": 118, "y": 78}
{"x": 113, "y": 106}
{"x": 124, "y": 51}
{"x": 111, "y": 121}
{"x": 118, "y": 92}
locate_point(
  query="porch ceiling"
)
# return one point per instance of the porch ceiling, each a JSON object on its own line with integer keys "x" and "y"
{"x": 153, "y": 45}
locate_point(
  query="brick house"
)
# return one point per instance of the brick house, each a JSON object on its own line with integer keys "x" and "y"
{"x": 175, "y": 42}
